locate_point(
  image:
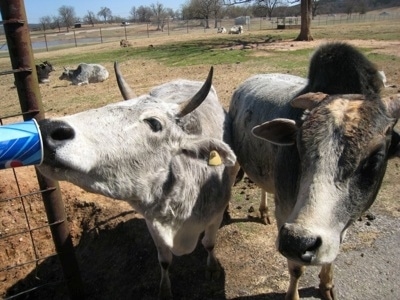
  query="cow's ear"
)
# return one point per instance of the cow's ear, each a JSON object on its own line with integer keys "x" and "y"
{"x": 214, "y": 151}
{"x": 308, "y": 101}
{"x": 280, "y": 132}
{"x": 393, "y": 106}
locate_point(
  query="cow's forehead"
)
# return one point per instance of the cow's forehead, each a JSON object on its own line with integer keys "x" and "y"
{"x": 350, "y": 115}
{"x": 346, "y": 114}
{"x": 358, "y": 124}
{"x": 147, "y": 102}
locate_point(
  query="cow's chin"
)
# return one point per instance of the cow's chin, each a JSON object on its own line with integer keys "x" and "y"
{"x": 58, "y": 172}
{"x": 321, "y": 258}
{"x": 86, "y": 182}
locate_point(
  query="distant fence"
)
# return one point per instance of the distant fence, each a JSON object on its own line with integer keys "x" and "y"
{"x": 115, "y": 32}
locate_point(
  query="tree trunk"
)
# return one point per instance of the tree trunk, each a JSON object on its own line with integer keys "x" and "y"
{"x": 305, "y": 33}
{"x": 207, "y": 24}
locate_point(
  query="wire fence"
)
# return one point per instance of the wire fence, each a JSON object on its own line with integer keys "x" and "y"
{"x": 88, "y": 34}
{"x": 23, "y": 228}
{"x": 33, "y": 224}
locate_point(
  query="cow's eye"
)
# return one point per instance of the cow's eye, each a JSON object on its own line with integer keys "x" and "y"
{"x": 372, "y": 164}
{"x": 155, "y": 125}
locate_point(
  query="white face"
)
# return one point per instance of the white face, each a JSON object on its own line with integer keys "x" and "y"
{"x": 111, "y": 144}
{"x": 124, "y": 151}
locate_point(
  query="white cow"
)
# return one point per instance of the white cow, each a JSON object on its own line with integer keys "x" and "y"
{"x": 165, "y": 152}
{"x": 221, "y": 30}
{"x": 85, "y": 74}
{"x": 236, "y": 29}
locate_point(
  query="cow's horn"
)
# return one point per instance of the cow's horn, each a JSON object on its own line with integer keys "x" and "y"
{"x": 124, "y": 88}
{"x": 191, "y": 104}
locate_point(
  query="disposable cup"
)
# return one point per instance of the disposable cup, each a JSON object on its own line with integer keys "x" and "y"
{"x": 20, "y": 145}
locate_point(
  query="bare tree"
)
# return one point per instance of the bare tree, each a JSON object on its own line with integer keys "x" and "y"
{"x": 105, "y": 13}
{"x": 56, "y": 23}
{"x": 234, "y": 11}
{"x": 144, "y": 13}
{"x": 45, "y": 22}
{"x": 350, "y": 7}
{"x": 171, "y": 13}
{"x": 217, "y": 11}
{"x": 203, "y": 9}
{"x": 90, "y": 18}
{"x": 269, "y": 5}
{"x": 314, "y": 7}
{"x": 133, "y": 13}
{"x": 160, "y": 15}
{"x": 305, "y": 32}
{"x": 67, "y": 16}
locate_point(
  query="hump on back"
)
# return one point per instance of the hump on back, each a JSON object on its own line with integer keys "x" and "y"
{"x": 339, "y": 68}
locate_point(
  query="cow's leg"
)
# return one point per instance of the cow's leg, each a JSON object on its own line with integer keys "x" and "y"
{"x": 295, "y": 272}
{"x": 208, "y": 241}
{"x": 165, "y": 260}
{"x": 236, "y": 174}
{"x": 264, "y": 208}
{"x": 326, "y": 285}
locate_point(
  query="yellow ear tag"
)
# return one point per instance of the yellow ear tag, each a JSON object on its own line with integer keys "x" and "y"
{"x": 214, "y": 159}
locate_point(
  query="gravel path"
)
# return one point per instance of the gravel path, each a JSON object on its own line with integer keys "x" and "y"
{"x": 364, "y": 273}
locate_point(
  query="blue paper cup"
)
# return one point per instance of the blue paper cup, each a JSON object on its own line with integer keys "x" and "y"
{"x": 20, "y": 145}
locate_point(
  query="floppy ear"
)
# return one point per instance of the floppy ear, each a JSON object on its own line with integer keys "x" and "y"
{"x": 281, "y": 132}
{"x": 393, "y": 106}
{"x": 214, "y": 151}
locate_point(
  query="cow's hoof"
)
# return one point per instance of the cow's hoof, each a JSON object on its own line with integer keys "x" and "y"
{"x": 165, "y": 295}
{"x": 213, "y": 273}
{"x": 266, "y": 220}
{"x": 328, "y": 294}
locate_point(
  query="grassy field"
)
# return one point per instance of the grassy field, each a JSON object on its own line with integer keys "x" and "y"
{"x": 189, "y": 56}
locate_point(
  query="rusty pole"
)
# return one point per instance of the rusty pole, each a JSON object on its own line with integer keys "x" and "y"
{"x": 21, "y": 55}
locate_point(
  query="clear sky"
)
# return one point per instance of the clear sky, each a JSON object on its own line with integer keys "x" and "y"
{"x": 40, "y": 8}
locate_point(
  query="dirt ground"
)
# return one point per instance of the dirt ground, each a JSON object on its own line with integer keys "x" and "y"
{"x": 116, "y": 255}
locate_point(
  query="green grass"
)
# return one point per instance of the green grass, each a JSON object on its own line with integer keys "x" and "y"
{"x": 216, "y": 49}
{"x": 213, "y": 51}
{"x": 385, "y": 31}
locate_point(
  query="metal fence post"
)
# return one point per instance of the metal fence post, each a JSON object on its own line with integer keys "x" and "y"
{"x": 21, "y": 55}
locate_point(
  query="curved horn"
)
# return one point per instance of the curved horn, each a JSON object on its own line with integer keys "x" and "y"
{"x": 190, "y": 105}
{"x": 124, "y": 88}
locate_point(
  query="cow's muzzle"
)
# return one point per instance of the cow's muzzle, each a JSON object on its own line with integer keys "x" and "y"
{"x": 297, "y": 244}
{"x": 55, "y": 134}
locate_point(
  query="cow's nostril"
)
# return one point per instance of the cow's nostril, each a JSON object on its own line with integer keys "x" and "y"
{"x": 309, "y": 254}
{"x": 297, "y": 244}
{"x": 62, "y": 133}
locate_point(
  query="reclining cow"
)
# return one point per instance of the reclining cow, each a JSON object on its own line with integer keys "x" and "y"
{"x": 125, "y": 43}
{"x": 236, "y": 29}
{"x": 321, "y": 146}
{"x": 85, "y": 74}
{"x": 221, "y": 30}
{"x": 166, "y": 153}
{"x": 43, "y": 71}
